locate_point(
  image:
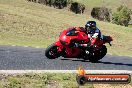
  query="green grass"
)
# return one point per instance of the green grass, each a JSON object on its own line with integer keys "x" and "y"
{"x": 49, "y": 80}
{"x": 25, "y": 23}
{"x": 130, "y": 26}
{"x": 44, "y": 80}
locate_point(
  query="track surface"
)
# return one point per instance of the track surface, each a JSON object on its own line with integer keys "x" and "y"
{"x": 28, "y": 58}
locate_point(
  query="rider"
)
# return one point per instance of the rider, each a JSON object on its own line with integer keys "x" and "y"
{"x": 93, "y": 33}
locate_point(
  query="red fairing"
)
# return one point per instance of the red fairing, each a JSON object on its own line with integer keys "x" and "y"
{"x": 72, "y": 52}
{"x": 93, "y": 41}
{"x": 65, "y": 38}
{"x": 64, "y": 41}
{"x": 60, "y": 46}
{"x": 80, "y": 36}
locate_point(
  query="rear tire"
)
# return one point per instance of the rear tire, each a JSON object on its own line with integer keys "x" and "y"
{"x": 51, "y": 52}
{"x": 101, "y": 53}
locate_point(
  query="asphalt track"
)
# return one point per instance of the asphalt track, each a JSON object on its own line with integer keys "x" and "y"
{"x": 28, "y": 58}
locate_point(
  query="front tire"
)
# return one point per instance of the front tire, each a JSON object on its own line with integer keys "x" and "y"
{"x": 52, "y": 52}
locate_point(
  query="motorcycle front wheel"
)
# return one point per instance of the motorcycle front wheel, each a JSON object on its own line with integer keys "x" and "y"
{"x": 52, "y": 52}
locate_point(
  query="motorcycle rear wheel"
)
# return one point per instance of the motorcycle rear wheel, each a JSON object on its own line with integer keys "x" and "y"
{"x": 97, "y": 56}
{"x": 51, "y": 52}
{"x": 103, "y": 52}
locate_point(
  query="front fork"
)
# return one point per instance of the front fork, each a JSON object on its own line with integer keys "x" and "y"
{"x": 62, "y": 50}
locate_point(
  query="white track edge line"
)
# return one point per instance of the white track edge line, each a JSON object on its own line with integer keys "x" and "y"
{"x": 65, "y": 71}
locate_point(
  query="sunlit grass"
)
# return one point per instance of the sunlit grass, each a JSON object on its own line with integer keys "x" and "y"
{"x": 45, "y": 80}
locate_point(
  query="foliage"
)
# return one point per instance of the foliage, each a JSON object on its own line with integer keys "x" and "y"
{"x": 122, "y": 16}
{"x": 77, "y": 7}
{"x": 101, "y": 13}
{"x": 55, "y": 3}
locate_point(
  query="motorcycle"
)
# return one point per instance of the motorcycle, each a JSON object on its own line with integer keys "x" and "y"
{"x": 65, "y": 46}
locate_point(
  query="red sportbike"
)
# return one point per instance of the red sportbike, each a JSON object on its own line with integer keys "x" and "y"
{"x": 65, "y": 46}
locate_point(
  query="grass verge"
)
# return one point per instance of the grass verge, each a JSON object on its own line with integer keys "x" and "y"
{"x": 49, "y": 80}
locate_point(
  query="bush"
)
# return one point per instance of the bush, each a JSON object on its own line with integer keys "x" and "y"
{"x": 46, "y": 2}
{"x": 122, "y": 16}
{"x": 101, "y": 13}
{"x": 77, "y": 7}
{"x": 32, "y": 0}
{"x": 56, "y": 3}
{"x": 60, "y": 3}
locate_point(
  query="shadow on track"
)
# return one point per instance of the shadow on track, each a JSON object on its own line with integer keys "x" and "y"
{"x": 101, "y": 62}
{"x": 115, "y": 63}
{"x": 65, "y": 59}
{"x": 112, "y": 63}
{"x": 81, "y": 60}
